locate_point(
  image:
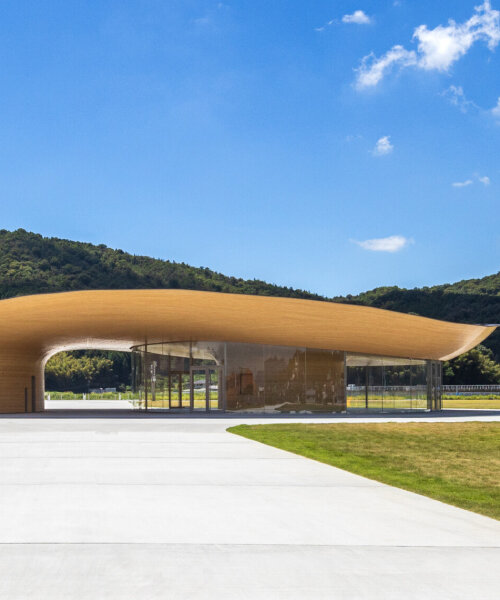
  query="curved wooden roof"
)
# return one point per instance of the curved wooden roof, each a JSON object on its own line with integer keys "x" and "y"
{"x": 119, "y": 319}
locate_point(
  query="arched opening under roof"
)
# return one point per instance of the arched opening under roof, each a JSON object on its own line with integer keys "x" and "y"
{"x": 88, "y": 379}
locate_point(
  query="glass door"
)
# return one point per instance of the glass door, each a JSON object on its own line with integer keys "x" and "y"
{"x": 205, "y": 388}
{"x": 199, "y": 389}
{"x": 216, "y": 391}
{"x": 215, "y": 399}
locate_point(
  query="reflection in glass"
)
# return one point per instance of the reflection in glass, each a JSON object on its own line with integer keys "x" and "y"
{"x": 237, "y": 377}
{"x": 385, "y": 384}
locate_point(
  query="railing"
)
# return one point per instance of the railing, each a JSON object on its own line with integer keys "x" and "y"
{"x": 91, "y": 396}
{"x": 381, "y": 388}
{"x": 468, "y": 390}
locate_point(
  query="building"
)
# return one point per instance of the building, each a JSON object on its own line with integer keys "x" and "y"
{"x": 203, "y": 351}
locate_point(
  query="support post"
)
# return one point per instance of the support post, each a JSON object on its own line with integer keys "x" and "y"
{"x": 367, "y": 379}
{"x": 145, "y": 375}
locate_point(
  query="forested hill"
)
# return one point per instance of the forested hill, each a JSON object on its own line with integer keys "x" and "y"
{"x": 467, "y": 301}
{"x": 32, "y": 264}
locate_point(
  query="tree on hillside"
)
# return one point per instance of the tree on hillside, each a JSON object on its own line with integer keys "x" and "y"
{"x": 67, "y": 372}
{"x": 472, "y": 368}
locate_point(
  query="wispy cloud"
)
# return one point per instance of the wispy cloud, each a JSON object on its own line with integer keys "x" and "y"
{"x": 455, "y": 94}
{"x": 329, "y": 24}
{"x": 373, "y": 69}
{"x": 358, "y": 16}
{"x": 203, "y": 21}
{"x": 437, "y": 49}
{"x": 484, "y": 179}
{"x": 460, "y": 184}
{"x": 353, "y": 136}
{"x": 209, "y": 20}
{"x": 393, "y": 243}
{"x": 383, "y": 146}
{"x": 495, "y": 111}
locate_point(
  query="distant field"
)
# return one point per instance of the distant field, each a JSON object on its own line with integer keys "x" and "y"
{"x": 479, "y": 402}
{"x": 160, "y": 402}
{"x": 492, "y": 402}
{"x": 387, "y": 402}
{"x": 457, "y": 463}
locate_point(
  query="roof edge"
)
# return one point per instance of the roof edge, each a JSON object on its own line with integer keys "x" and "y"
{"x": 486, "y": 331}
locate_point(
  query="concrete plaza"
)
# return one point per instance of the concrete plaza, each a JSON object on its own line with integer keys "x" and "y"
{"x": 126, "y": 506}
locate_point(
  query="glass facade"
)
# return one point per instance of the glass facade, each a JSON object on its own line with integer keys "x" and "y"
{"x": 383, "y": 384}
{"x": 227, "y": 376}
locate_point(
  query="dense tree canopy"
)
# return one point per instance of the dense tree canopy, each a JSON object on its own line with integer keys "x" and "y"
{"x": 80, "y": 370}
{"x": 474, "y": 367}
{"x": 65, "y": 371}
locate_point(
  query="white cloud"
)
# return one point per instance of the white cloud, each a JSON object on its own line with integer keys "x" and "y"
{"x": 438, "y": 48}
{"x": 485, "y": 180}
{"x": 358, "y": 16}
{"x": 373, "y": 69}
{"x": 393, "y": 243}
{"x": 329, "y": 24}
{"x": 442, "y": 46}
{"x": 456, "y": 96}
{"x": 495, "y": 111}
{"x": 383, "y": 146}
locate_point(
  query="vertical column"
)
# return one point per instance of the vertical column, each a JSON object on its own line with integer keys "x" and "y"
{"x": 169, "y": 381}
{"x": 367, "y": 383}
{"x": 428, "y": 381}
{"x": 19, "y": 367}
{"x": 145, "y": 375}
{"x": 33, "y": 393}
{"x": 440, "y": 386}
{"x": 436, "y": 384}
{"x": 207, "y": 389}
{"x": 345, "y": 380}
{"x": 434, "y": 372}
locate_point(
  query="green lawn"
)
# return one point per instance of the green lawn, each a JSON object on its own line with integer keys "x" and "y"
{"x": 457, "y": 463}
{"x": 465, "y": 402}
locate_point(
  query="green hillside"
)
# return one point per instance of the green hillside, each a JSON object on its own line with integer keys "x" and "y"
{"x": 32, "y": 264}
{"x": 467, "y": 301}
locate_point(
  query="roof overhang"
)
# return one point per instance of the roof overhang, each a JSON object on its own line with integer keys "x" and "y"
{"x": 120, "y": 319}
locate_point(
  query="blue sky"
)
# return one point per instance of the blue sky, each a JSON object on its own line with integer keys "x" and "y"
{"x": 310, "y": 144}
